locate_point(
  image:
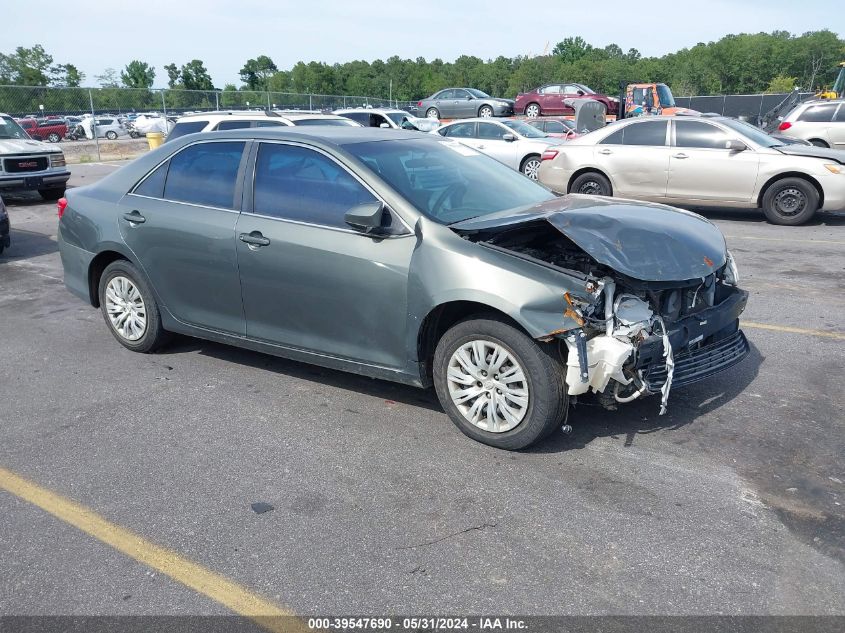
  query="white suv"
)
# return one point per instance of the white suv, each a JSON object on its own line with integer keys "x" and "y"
{"x": 236, "y": 119}
{"x": 822, "y": 123}
{"x": 26, "y": 164}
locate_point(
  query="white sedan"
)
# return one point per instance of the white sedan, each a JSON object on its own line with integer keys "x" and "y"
{"x": 512, "y": 142}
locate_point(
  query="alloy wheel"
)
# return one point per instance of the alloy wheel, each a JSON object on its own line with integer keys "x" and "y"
{"x": 488, "y": 386}
{"x": 531, "y": 168}
{"x": 485, "y": 112}
{"x": 125, "y": 308}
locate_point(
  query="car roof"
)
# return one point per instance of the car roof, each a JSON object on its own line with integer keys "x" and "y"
{"x": 329, "y": 134}
{"x": 376, "y": 110}
{"x": 481, "y": 119}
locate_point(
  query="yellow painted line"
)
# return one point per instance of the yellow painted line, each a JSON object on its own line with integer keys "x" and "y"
{"x": 782, "y": 239}
{"x": 231, "y": 595}
{"x": 793, "y": 330}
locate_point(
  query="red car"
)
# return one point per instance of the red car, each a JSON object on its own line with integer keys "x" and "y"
{"x": 549, "y": 99}
{"x": 52, "y": 130}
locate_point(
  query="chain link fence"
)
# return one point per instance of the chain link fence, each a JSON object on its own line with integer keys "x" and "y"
{"x": 25, "y": 101}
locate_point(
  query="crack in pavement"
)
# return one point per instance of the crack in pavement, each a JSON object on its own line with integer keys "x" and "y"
{"x": 448, "y": 536}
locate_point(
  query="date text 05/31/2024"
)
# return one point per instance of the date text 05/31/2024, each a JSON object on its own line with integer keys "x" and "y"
{"x": 417, "y": 623}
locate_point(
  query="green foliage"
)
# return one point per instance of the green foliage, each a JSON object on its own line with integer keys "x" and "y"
{"x": 256, "y": 72}
{"x": 781, "y": 84}
{"x": 138, "y": 74}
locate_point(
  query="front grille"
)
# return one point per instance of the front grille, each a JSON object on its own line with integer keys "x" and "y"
{"x": 25, "y": 163}
{"x": 699, "y": 364}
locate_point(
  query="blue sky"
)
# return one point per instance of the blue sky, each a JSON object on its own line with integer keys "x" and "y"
{"x": 224, "y": 34}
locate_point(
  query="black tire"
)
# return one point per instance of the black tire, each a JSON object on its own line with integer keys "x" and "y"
{"x": 530, "y": 165}
{"x": 546, "y": 381}
{"x": 53, "y": 137}
{"x": 591, "y": 183}
{"x": 432, "y": 113}
{"x": 790, "y": 202}
{"x": 52, "y": 194}
{"x": 154, "y": 335}
{"x": 111, "y": 135}
{"x": 485, "y": 111}
{"x": 532, "y": 110}
{"x": 818, "y": 142}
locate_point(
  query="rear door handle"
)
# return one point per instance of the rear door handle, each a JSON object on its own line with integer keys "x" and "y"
{"x": 605, "y": 151}
{"x": 254, "y": 240}
{"x": 681, "y": 155}
{"x": 134, "y": 218}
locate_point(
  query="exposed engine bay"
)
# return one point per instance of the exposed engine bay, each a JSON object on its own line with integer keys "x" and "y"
{"x": 634, "y": 337}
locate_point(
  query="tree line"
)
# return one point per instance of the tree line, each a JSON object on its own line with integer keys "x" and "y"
{"x": 735, "y": 64}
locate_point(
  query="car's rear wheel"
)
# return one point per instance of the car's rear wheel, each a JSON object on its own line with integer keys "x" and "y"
{"x": 53, "y": 137}
{"x": 790, "y": 202}
{"x": 497, "y": 385}
{"x": 129, "y": 308}
{"x": 592, "y": 183}
{"x": 530, "y": 166}
{"x": 51, "y": 194}
{"x": 818, "y": 142}
{"x": 432, "y": 113}
{"x": 532, "y": 111}
{"x": 485, "y": 111}
{"x": 111, "y": 135}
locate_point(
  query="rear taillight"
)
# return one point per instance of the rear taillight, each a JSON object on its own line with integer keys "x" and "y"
{"x": 61, "y": 205}
{"x": 784, "y": 126}
{"x": 549, "y": 154}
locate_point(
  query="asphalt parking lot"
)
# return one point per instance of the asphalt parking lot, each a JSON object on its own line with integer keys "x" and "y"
{"x": 732, "y": 503}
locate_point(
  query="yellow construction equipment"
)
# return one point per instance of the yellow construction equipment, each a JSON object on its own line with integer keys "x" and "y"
{"x": 837, "y": 91}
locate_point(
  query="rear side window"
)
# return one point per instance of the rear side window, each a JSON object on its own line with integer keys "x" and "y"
{"x": 186, "y": 127}
{"x": 233, "y": 125}
{"x": 699, "y": 135}
{"x": 613, "y": 139}
{"x": 646, "y": 133}
{"x": 360, "y": 117}
{"x": 296, "y": 183}
{"x": 269, "y": 124}
{"x": 153, "y": 185}
{"x": 818, "y": 113}
{"x": 205, "y": 173}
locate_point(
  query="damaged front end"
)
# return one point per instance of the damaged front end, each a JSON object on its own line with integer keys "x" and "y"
{"x": 656, "y": 302}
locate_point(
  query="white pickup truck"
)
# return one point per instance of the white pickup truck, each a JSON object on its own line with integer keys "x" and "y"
{"x": 27, "y": 165}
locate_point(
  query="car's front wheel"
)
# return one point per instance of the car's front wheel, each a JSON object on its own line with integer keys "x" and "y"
{"x": 432, "y": 113}
{"x": 498, "y": 385}
{"x": 790, "y": 202}
{"x": 129, "y": 308}
{"x": 531, "y": 166}
{"x": 592, "y": 183}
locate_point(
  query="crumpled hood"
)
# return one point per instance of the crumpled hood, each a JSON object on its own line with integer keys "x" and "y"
{"x": 812, "y": 151}
{"x": 650, "y": 242}
{"x": 24, "y": 146}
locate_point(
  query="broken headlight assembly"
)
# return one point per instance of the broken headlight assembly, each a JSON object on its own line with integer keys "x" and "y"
{"x": 730, "y": 274}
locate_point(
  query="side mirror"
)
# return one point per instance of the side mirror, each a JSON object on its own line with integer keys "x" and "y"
{"x": 580, "y": 93}
{"x": 384, "y": 125}
{"x": 365, "y": 217}
{"x": 470, "y": 97}
{"x": 510, "y": 138}
{"x": 736, "y": 146}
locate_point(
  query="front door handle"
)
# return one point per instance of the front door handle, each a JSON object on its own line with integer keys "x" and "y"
{"x": 681, "y": 155}
{"x": 254, "y": 240}
{"x": 134, "y": 218}
{"x": 605, "y": 151}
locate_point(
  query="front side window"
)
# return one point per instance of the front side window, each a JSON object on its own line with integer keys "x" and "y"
{"x": 818, "y": 113}
{"x": 555, "y": 126}
{"x": 523, "y": 129}
{"x": 359, "y": 117}
{"x": 297, "y": 183}
{"x": 475, "y": 93}
{"x": 699, "y": 135}
{"x": 205, "y": 174}
{"x": 645, "y": 133}
{"x": 490, "y": 131}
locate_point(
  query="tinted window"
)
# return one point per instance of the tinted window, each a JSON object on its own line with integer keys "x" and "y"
{"x": 614, "y": 139}
{"x": 540, "y": 125}
{"x": 341, "y": 121}
{"x": 268, "y": 123}
{"x": 153, "y": 185}
{"x": 700, "y": 135}
{"x": 818, "y": 113}
{"x": 233, "y": 125}
{"x": 489, "y": 131}
{"x": 840, "y": 115}
{"x": 360, "y": 117}
{"x": 205, "y": 173}
{"x": 460, "y": 130}
{"x": 645, "y": 133}
{"x": 295, "y": 183}
{"x": 186, "y": 127}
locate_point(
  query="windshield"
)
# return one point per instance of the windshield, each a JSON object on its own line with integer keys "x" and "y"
{"x": 755, "y": 134}
{"x": 665, "y": 96}
{"x": 523, "y": 129}
{"x": 9, "y": 128}
{"x": 447, "y": 181}
{"x": 478, "y": 94}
